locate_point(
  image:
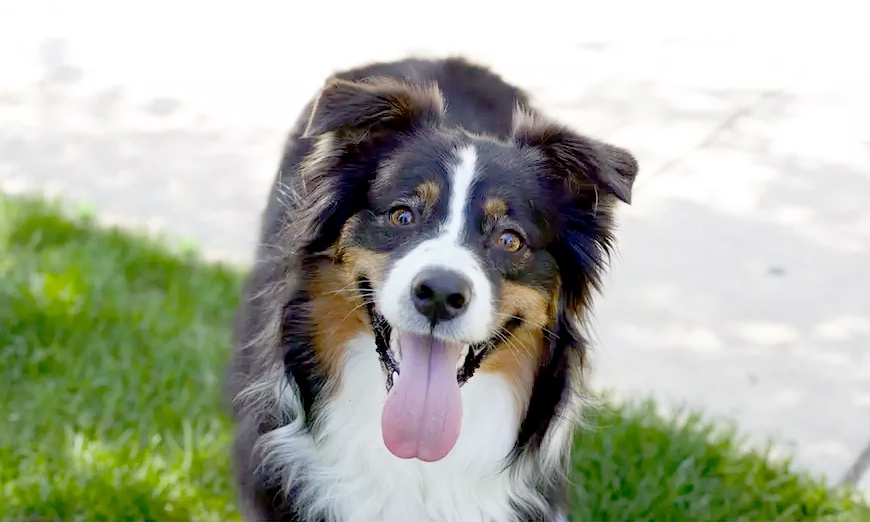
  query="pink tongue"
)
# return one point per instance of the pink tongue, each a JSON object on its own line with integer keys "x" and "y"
{"x": 423, "y": 412}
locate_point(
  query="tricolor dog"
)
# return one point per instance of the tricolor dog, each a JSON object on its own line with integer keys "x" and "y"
{"x": 410, "y": 344}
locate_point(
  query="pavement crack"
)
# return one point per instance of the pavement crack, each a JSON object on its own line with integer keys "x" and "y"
{"x": 723, "y": 126}
{"x": 858, "y": 468}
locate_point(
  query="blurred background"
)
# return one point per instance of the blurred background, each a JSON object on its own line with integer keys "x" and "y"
{"x": 741, "y": 286}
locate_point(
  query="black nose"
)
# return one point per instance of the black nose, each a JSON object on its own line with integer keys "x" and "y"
{"x": 440, "y": 294}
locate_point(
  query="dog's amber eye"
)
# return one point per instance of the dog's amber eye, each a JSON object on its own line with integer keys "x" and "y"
{"x": 401, "y": 216}
{"x": 510, "y": 241}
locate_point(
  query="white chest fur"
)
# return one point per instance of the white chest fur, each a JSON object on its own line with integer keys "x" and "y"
{"x": 351, "y": 476}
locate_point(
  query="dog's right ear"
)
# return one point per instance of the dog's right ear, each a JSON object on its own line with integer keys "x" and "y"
{"x": 356, "y": 109}
{"x": 577, "y": 158}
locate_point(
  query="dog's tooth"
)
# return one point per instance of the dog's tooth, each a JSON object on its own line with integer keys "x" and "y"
{"x": 395, "y": 375}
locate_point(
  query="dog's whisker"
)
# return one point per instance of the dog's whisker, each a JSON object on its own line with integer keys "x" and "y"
{"x": 508, "y": 338}
{"x": 509, "y": 317}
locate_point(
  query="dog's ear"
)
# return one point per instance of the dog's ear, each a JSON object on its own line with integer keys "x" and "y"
{"x": 358, "y": 108}
{"x": 579, "y": 159}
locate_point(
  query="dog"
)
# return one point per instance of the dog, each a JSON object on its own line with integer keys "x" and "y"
{"x": 410, "y": 341}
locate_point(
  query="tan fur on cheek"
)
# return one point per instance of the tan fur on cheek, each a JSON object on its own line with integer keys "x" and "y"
{"x": 520, "y": 300}
{"x": 362, "y": 262}
{"x": 337, "y": 309}
{"x": 518, "y": 357}
{"x": 336, "y": 314}
{"x": 517, "y": 361}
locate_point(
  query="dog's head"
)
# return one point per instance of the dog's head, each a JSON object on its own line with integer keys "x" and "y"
{"x": 459, "y": 246}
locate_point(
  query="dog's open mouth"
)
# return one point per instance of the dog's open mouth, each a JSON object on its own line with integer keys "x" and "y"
{"x": 423, "y": 410}
{"x": 475, "y": 355}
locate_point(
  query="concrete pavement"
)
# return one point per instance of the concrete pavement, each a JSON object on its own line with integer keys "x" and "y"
{"x": 741, "y": 284}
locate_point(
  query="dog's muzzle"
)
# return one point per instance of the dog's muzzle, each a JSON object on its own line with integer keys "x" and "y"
{"x": 437, "y": 299}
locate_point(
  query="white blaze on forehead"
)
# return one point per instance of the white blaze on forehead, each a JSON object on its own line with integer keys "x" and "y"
{"x": 464, "y": 173}
{"x": 444, "y": 251}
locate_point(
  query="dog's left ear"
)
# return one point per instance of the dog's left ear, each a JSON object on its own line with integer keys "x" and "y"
{"x": 579, "y": 159}
{"x": 360, "y": 108}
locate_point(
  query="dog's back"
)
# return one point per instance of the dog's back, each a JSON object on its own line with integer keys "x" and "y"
{"x": 477, "y": 99}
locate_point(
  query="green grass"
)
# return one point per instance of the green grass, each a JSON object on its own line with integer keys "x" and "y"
{"x": 112, "y": 352}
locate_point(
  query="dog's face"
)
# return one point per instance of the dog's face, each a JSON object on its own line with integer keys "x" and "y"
{"x": 458, "y": 241}
{"x": 452, "y": 221}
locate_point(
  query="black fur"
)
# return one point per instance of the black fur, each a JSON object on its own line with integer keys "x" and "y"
{"x": 564, "y": 185}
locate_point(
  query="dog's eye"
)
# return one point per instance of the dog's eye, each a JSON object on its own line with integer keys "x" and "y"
{"x": 401, "y": 216}
{"x": 510, "y": 241}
